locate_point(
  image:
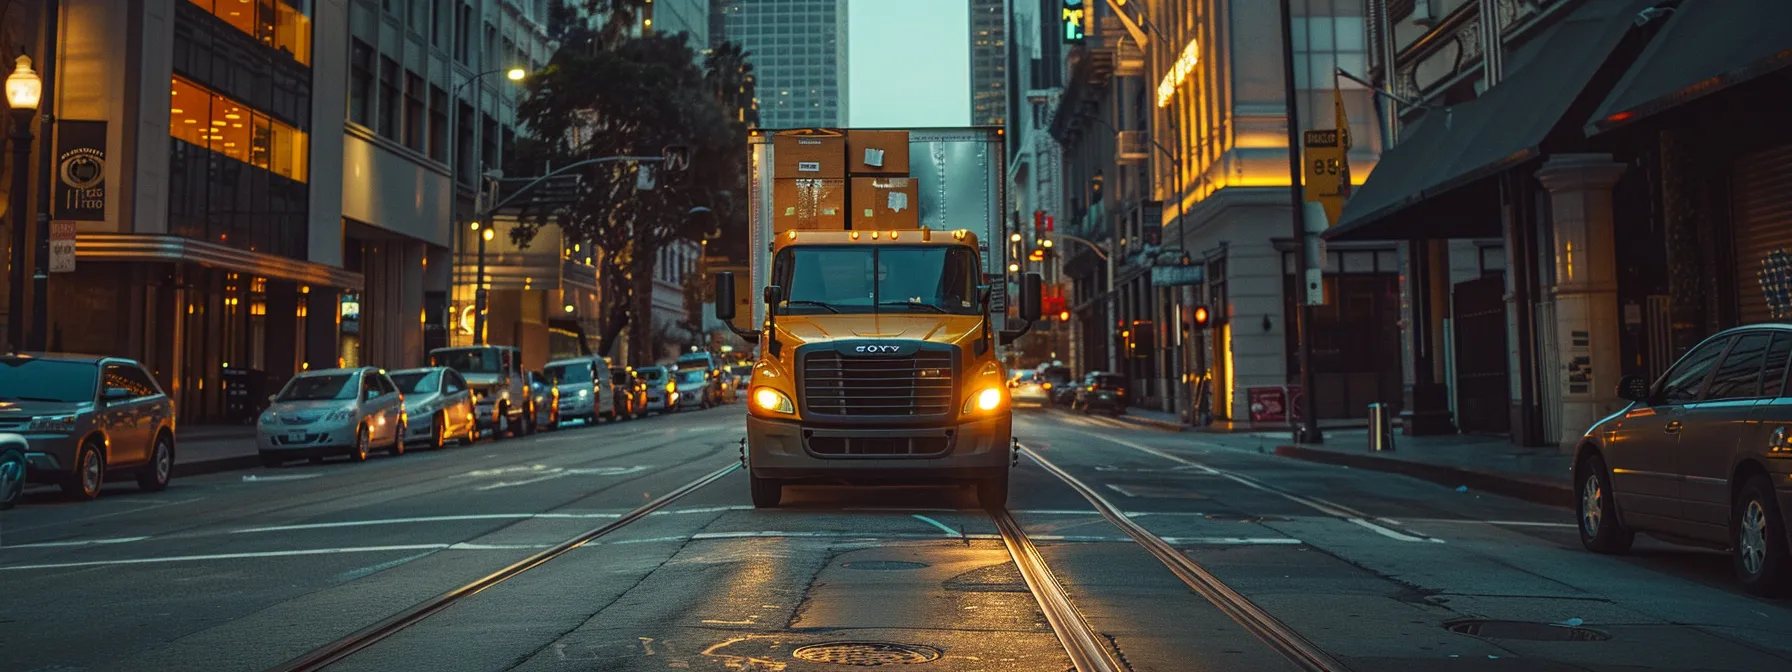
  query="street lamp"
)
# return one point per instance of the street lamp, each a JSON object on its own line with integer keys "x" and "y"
{"x": 515, "y": 75}
{"x": 24, "y": 89}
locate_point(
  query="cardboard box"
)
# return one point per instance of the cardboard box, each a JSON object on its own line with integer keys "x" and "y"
{"x": 808, "y": 205}
{"x": 877, "y": 152}
{"x": 809, "y": 156}
{"x": 885, "y": 203}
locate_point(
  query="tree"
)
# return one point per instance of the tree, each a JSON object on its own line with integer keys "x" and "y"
{"x": 604, "y": 93}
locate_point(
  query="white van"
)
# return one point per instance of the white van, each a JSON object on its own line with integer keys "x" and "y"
{"x": 585, "y": 388}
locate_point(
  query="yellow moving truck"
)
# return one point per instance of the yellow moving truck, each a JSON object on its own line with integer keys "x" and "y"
{"x": 879, "y": 261}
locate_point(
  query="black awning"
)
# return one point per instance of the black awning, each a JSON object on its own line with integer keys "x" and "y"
{"x": 1505, "y": 126}
{"x": 1706, "y": 46}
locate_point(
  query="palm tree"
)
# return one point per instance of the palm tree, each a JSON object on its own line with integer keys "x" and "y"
{"x": 729, "y": 75}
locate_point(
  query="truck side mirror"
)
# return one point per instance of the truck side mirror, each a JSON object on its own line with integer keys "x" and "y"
{"x": 1031, "y": 289}
{"x": 773, "y": 295}
{"x": 725, "y": 296}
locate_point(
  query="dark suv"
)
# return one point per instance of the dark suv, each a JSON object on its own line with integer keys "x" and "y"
{"x": 1101, "y": 392}
{"x": 1703, "y": 456}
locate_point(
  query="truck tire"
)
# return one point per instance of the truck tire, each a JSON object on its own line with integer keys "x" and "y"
{"x": 766, "y": 491}
{"x": 992, "y": 493}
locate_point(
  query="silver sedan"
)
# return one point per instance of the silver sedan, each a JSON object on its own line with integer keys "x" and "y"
{"x": 438, "y": 406}
{"x": 332, "y": 412}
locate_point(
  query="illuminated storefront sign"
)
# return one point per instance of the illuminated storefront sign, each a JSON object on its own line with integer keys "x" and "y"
{"x": 1074, "y": 15}
{"x": 1179, "y": 72}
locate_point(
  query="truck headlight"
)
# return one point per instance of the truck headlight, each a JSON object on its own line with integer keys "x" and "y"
{"x": 772, "y": 400}
{"x": 55, "y": 423}
{"x": 671, "y": 387}
{"x": 584, "y": 393}
{"x": 989, "y": 399}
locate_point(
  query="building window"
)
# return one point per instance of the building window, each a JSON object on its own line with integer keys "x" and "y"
{"x": 442, "y": 17}
{"x": 389, "y": 98}
{"x": 419, "y": 21}
{"x": 360, "y": 82}
{"x": 272, "y": 22}
{"x": 489, "y": 140}
{"x": 413, "y": 111}
{"x": 438, "y": 123}
{"x": 462, "y": 22}
{"x": 201, "y": 117}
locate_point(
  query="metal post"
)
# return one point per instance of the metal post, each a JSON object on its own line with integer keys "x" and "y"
{"x": 479, "y": 288}
{"x": 21, "y": 182}
{"x": 40, "y": 275}
{"x": 1308, "y": 430}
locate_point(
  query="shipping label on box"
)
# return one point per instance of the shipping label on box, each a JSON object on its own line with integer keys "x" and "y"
{"x": 877, "y": 152}
{"x": 809, "y": 156}
{"x": 808, "y": 205}
{"x": 885, "y": 203}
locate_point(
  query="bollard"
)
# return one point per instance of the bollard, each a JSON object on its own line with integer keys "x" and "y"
{"x": 1381, "y": 429}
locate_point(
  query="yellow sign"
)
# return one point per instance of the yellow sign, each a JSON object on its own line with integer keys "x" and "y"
{"x": 1328, "y": 162}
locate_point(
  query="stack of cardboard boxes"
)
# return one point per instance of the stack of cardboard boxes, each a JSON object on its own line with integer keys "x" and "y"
{"x": 831, "y": 181}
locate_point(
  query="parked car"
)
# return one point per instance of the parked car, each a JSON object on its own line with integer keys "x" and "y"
{"x": 1102, "y": 391}
{"x": 12, "y": 469}
{"x": 698, "y": 386}
{"x": 437, "y": 406}
{"x": 586, "y": 392}
{"x": 1699, "y": 457}
{"x": 662, "y": 393}
{"x": 698, "y": 360}
{"x": 500, "y": 390}
{"x": 1058, "y": 383}
{"x": 332, "y": 412}
{"x": 630, "y": 393}
{"x": 1026, "y": 388}
{"x": 544, "y": 401}
{"x": 85, "y": 417}
{"x": 743, "y": 379}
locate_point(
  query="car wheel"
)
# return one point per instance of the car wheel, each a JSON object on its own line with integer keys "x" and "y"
{"x": 12, "y": 477}
{"x": 438, "y": 431}
{"x": 398, "y": 438}
{"x": 270, "y": 460}
{"x": 89, "y": 474}
{"x": 1758, "y": 537}
{"x": 1597, "y": 509}
{"x": 154, "y": 477}
{"x": 358, "y": 452}
{"x": 992, "y": 493}
{"x": 766, "y": 491}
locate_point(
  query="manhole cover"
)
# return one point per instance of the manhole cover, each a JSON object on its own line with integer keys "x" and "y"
{"x": 1526, "y": 630}
{"x": 867, "y": 654}
{"x": 883, "y": 565}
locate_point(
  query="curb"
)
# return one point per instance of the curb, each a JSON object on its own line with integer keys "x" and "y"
{"x": 1531, "y": 490}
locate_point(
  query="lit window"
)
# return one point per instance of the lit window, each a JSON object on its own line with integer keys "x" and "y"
{"x": 210, "y": 121}
{"x": 273, "y": 22}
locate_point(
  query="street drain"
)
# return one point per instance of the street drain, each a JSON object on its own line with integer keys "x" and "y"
{"x": 883, "y": 565}
{"x": 1526, "y": 630}
{"x": 866, "y": 654}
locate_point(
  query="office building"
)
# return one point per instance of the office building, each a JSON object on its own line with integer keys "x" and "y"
{"x": 798, "y": 51}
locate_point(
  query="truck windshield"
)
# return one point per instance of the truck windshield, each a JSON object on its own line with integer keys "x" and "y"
{"x": 865, "y": 279}
{"x": 572, "y": 372}
{"x": 468, "y": 360}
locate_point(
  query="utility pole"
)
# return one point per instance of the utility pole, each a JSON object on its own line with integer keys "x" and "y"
{"x": 40, "y": 272}
{"x": 1308, "y": 429}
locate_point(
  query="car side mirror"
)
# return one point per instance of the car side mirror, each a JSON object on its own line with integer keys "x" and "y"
{"x": 725, "y": 296}
{"x": 1633, "y": 388}
{"x": 116, "y": 394}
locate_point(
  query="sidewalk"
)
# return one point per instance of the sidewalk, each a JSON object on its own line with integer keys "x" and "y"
{"x": 1488, "y": 464}
{"x": 208, "y": 449}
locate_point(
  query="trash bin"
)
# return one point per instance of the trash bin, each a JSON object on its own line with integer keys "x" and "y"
{"x": 1381, "y": 429}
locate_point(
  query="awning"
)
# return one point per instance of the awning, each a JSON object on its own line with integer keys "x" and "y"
{"x": 170, "y": 249}
{"x": 1452, "y": 147}
{"x": 1707, "y": 46}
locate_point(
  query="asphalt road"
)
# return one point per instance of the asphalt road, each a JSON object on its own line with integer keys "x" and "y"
{"x": 244, "y": 570}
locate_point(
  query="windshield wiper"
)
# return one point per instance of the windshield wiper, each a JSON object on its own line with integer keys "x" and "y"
{"x": 45, "y": 399}
{"x": 915, "y": 304}
{"x": 805, "y": 302}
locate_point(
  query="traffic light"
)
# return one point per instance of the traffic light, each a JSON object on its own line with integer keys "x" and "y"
{"x": 1063, "y": 316}
{"x": 1038, "y": 224}
{"x": 1200, "y": 317}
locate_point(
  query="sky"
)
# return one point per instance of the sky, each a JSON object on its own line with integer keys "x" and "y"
{"x": 908, "y": 63}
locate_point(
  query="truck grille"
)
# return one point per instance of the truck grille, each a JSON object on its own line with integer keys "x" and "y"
{"x": 895, "y": 446}
{"x": 916, "y": 385}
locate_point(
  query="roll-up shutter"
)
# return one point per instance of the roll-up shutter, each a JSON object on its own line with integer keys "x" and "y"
{"x": 1761, "y": 218}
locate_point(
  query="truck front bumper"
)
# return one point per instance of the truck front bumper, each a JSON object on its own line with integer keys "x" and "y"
{"x": 791, "y": 451}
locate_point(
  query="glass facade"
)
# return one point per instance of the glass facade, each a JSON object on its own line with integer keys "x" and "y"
{"x": 797, "y": 48}
{"x": 275, "y": 23}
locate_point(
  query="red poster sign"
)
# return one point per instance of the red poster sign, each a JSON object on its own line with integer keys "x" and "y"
{"x": 1278, "y": 405}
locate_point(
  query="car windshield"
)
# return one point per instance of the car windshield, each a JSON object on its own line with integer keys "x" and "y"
{"x": 321, "y": 387}
{"x": 1109, "y": 382}
{"x": 49, "y": 380}
{"x": 1024, "y": 377}
{"x": 697, "y": 359}
{"x": 1056, "y": 375}
{"x": 653, "y": 375}
{"x": 569, "y": 372}
{"x": 469, "y": 360}
{"x": 418, "y": 382}
{"x": 846, "y": 279}
{"x": 690, "y": 376}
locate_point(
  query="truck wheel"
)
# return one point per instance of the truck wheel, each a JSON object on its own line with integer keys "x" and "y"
{"x": 766, "y": 491}
{"x": 992, "y": 493}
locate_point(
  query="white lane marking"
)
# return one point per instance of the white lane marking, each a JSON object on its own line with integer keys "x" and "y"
{"x": 1511, "y": 523}
{"x": 1322, "y": 506}
{"x": 226, "y": 556}
{"x": 1119, "y": 489}
{"x": 70, "y": 544}
{"x": 370, "y": 570}
{"x": 705, "y": 509}
{"x": 253, "y": 478}
{"x": 1189, "y": 541}
{"x": 421, "y": 519}
{"x": 558, "y": 473}
{"x": 468, "y": 546}
{"x": 949, "y": 531}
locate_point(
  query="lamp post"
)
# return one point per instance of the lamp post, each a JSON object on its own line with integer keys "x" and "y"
{"x": 480, "y": 226}
{"x": 23, "y": 91}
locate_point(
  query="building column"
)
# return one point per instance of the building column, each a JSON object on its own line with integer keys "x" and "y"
{"x": 1426, "y": 407}
{"x": 282, "y": 332}
{"x": 1586, "y": 287}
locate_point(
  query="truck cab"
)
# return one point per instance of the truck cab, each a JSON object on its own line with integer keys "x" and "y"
{"x": 878, "y": 364}
{"x": 501, "y": 396}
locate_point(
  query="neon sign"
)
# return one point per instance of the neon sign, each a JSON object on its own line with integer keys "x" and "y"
{"x": 1074, "y": 15}
{"x": 1179, "y": 72}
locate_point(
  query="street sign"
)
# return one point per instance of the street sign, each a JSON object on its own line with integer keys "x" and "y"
{"x": 1326, "y": 172}
{"x": 62, "y": 247}
{"x": 1074, "y": 16}
{"x": 644, "y": 177}
{"x": 1177, "y": 276}
{"x": 677, "y": 158}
